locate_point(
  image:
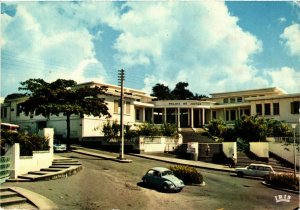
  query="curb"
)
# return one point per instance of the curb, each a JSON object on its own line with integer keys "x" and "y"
{"x": 278, "y": 188}
{"x": 186, "y": 164}
{"x": 106, "y": 157}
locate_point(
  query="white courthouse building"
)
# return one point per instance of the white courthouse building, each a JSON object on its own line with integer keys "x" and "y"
{"x": 140, "y": 107}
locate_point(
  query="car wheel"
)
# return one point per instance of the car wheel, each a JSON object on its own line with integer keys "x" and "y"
{"x": 165, "y": 187}
{"x": 240, "y": 174}
{"x": 145, "y": 181}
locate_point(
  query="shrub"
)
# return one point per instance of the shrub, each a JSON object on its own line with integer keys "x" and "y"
{"x": 168, "y": 129}
{"x": 187, "y": 174}
{"x": 147, "y": 129}
{"x": 287, "y": 181}
{"x": 28, "y": 142}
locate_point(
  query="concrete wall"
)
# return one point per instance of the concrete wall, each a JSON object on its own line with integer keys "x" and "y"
{"x": 40, "y": 159}
{"x": 158, "y": 144}
{"x": 260, "y": 149}
{"x": 285, "y": 151}
{"x": 230, "y": 148}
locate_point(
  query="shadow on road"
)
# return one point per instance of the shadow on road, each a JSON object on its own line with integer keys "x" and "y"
{"x": 247, "y": 177}
{"x": 147, "y": 186}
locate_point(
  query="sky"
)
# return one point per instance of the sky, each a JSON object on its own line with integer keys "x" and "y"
{"x": 215, "y": 46}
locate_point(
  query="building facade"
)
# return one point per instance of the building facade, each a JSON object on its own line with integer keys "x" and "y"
{"x": 140, "y": 107}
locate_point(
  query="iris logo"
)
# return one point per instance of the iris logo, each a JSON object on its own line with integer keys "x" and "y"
{"x": 282, "y": 198}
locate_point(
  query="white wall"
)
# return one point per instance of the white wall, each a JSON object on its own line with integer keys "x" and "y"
{"x": 285, "y": 151}
{"x": 260, "y": 149}
{"x": 230, "y": 148}
{"x": 40, "y": 159}
{"x": 158, "y": 144}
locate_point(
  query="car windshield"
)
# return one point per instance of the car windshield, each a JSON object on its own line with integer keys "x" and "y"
{"x": 165, "y": 173}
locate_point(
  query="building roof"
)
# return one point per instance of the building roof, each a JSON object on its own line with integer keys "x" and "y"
{"x": 254, "y": 92}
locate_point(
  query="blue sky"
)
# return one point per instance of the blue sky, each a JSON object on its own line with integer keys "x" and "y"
{"x": 215, "y": 46}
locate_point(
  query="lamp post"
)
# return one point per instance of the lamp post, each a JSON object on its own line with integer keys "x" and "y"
{"x": 294, "y": 128}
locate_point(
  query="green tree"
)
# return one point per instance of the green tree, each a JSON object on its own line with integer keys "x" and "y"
{"x": 181, "y": 92}
{"x": 161, "y": 91}
{"x": 216, "y": 127}
{"x": 251, "y": 128}
{"x": 63, "y": 96}
{"x": 278, "y": 128}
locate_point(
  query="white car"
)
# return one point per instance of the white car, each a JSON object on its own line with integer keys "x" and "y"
{"x": 257, "y": 170}
{"x": 58, "y": 147}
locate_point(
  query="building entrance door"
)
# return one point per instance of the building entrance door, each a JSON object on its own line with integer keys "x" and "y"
{"x": 197, "y": 121}
{"x": 185, "y": 118}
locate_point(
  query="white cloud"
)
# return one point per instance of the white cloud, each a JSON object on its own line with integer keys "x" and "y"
{"x": 197, "y": 42}
{"x": 51, "y": 40}
{"x": 286, "y": 78}
{"x": 291, "y": 37}
{"x": 281, "y": 20}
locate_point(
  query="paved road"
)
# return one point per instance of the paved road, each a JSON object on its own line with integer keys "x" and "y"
{"x": 105, "y": 184}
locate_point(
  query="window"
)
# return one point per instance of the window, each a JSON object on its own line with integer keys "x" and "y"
{"x": 258, "y": 109}
{"x": 225, "y": 100}
{"x": 295, "y": 105}
{"x": 275, "y": 108}
{"x": 137, "y": 115}
{"x": 239, "y": 99}
{"x": 232, "y": 100}
{"x": 247, "y": 112}
{"x": 232, "y": 115}
{"x": 3, "y": 112}
{"x": 116, "y": 106}
{"x": 128, "y": 107}
{"x": 18, "y": 110}
{"x": 227, "y": 115}
{"x": 267, "y": 109}
{"x": 214, "y": 114}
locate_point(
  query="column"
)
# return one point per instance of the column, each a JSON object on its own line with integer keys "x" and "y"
{"x": 192, "y": 117}
{"x": 210, "y": 114}
{"x": 178, "y": 117}
{"x": 203, "y": 116}
{"x": 165, "y": 115}
{"x": 143, "y": 114}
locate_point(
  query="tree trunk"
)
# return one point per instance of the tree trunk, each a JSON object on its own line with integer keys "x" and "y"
{"x": 68, "y": 132}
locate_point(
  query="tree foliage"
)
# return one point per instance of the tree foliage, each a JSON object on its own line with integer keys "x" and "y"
{"x": 180, "y": 92}
{"x": 62, "y": 96}
{"x": 161, "y": 91}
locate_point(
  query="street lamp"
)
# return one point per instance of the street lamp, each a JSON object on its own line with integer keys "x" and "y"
{"x": 294, "y": 128}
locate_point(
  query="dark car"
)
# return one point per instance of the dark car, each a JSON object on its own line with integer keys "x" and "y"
{"x": 162, "y": 178}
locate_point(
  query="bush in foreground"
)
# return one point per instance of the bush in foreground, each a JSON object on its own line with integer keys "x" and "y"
{"x": 287, "y": 181}
{"x": 187, "y": 174}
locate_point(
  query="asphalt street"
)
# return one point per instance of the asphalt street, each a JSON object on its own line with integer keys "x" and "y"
{"x": 105, "y": 184}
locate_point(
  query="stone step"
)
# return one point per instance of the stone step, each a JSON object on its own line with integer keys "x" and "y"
{"x": 12, "y": 200}
{"x": 64, "y": 160}
{"x": 7, "y": 194}
{"x": 60, "y": 166}
{"x": 67, "y": 163}
{"x": 18, "y": 180}
{"x": 51, "y": 169}
{"x": 29, "y": 176}
{"x": 38, "y": 172}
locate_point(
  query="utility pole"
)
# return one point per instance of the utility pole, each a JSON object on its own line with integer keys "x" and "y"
{"x": 121, "y": 77}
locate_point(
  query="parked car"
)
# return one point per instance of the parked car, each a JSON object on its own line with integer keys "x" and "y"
{"x": 162, "y": 178}
{"x": 59, "y": 147}
{"x": 257, "y": 170}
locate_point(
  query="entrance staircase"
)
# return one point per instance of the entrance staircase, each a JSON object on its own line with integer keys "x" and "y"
{"x": 198, "y": 135}
{"x": 244, "y": 160}
{"x": 61, "y": 167}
